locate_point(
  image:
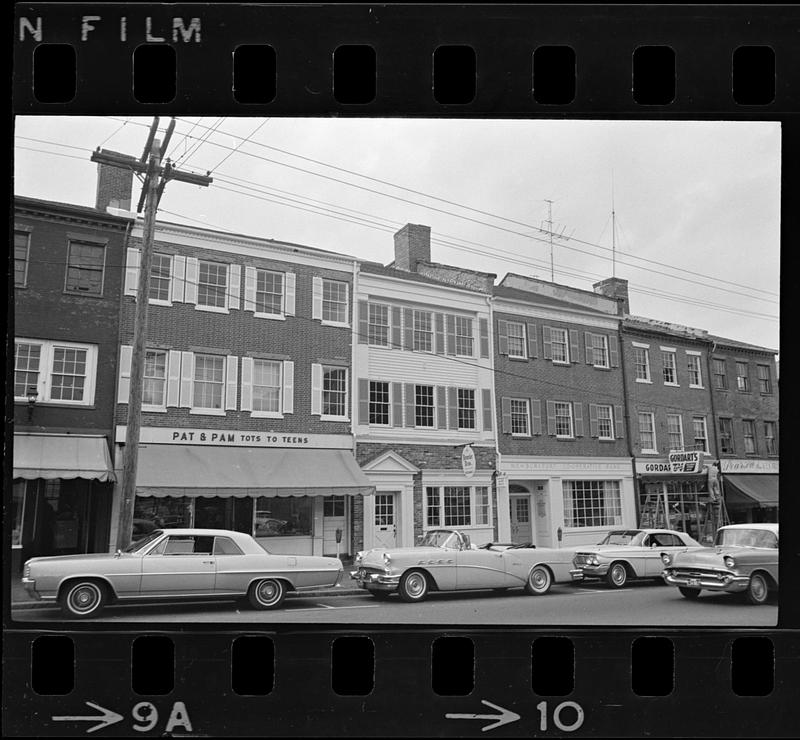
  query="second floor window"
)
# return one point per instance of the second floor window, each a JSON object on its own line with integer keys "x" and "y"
{"x": 463, "y": 336}
{"x": 334, "y": 301}
{"x": 641, "y": 360}
{"x": 423, "y": 405}
{"x": 378, "y": 326}
{"x": 423, "y": 331}
{"x": 160, "y": 273}
{"x": 742, "y": 379}
{"x": 378, "y": 402}
{"x": 209, "y": 381}
{"x": 58, "y": 372}
{"x": 700, "y": 433}
{"x": 726, "y": 436}
{"x": 267, "y": 385}
{"x": 520, "y": 417}
{"x": 605, "y": 423}
{"x": 647, "y": 432}
{"x": 674, "y": 431}
{"x": 769, "y": 438}
{"x": 764, "y": 379}
{"x": 668, "y": 365}
{"x": 466, "y": 408}
{"x": 334, "y": 391}
{"x": 269, "y": 292}
{"x": 749, "y": 427}
{"x": 85, "y": 263}
{"x": 720, "y": 374}
{"x": 155, "y": 378}
{"x": 21, "y": 252}
{"x": 695, "y": 371}
{"x": 516, "y": 339}
{"x": 212, "y": 284}
{"x": 563, "y": 419}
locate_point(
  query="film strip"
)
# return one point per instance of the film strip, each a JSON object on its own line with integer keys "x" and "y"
{"x": 442, "y": 676}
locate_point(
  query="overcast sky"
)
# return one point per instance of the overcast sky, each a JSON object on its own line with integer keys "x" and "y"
{"x": 697, "y": 203}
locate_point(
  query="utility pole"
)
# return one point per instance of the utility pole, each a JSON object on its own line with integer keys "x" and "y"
{"x": 155, "y": 178}
{"x": 553, "y": 235}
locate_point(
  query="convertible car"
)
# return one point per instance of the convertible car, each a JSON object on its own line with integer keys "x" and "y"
{"x": 629, "y": 553}
{"x": 177, "y": 564}
{"x": 744, "y": 558}
{"x": 445, "y": 560}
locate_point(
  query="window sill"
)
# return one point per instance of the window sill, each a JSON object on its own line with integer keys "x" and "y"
{"x": 521, "y": 436}
{"x": 649, "y": 452}
{"x": 323, "y": 417}
{"x": 641, "y": 380}
{"x": 561, "y": 362}
{"x": 699, "y": 387}
{"x": 154, "y": 409}
{"x": 565, "y": 438}
{"x": 272, "y": 316}
{"x": 54, "y": 404}
{"x": 341, "y": 324}
{"x": 211, "y": 309}
{"x": 208, "y": 412}
{"x": 515, "y": 358}
{"x": 601, "y": 367}
{"x": 266, "y": 415}
{"x": 672, "y": 385}
{"x": 82, "y": 294}
{"x": 157, "y": 302}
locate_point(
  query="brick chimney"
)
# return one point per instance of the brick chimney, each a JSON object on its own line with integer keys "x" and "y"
{"x": 114, "y": 187}
{"x": 615, "y": 288}
{"x": 412, "y": 244}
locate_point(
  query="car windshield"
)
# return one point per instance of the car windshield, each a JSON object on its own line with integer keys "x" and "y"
{"x": 624, "y": 537}
{"x": 438, "y": 538}
{"x": 747, "y": 538}
{"x": 144, "y": 542}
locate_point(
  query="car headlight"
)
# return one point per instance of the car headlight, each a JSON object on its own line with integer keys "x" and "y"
{"x": 594, "y": 560}
{"x": 666, "y": 558}
{"x": 729, "y": 561}
{"x": 387, "y": 558}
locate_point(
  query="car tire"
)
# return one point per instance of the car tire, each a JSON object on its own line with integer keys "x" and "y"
{"x": 757, "y": 589}
{"x": 617, "y": 575}
{"x": 689, "y": 593}
{"x": 83, "y": 598}
{"x": 267, "y": 593}
{"x": 413, "y": 586}
{"x": 539, "y": 580}
{"x": 379, "y": 595}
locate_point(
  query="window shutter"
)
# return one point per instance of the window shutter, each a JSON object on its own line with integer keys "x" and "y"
{"x": 396, "y": 328}
{"x": 441, "y": 407}
{"x": 587, "y": 336}
{"x": 178, "y": 278}
{"x": 363, "y": 322}
{"x": 124, "y": 387}
{"x": 288, "y": 387}
{"x": 289, "y": 296}
{"x": 451, "y": 334}
{"x": 505, "y": 405}
{"x": 551, "y": 418}
{"x": 575, "y": 347}
{"x": 594, "y": 430}
{"x": 486, "y": 394}
{"x": 547, "y": 343}
{"x": 132, "y": 271}
{"x": 577, "y": 410}
{"x": 231, "y": 382}
{"x": 316, "y": 388}
{"x": 502, "y": 336}
{"x": 619, "y": 422}
{"x": 192, "y": 276}
{"x": 613, "y": 351}
{"x": 536, "y": 416}
{"x": 439, "y": 322}
{"x": 234, "y": 286}
{"x": 249, "y": 288}
{"x": 408, "y": 329}
{"x": 397, "y": 404}
{"x": 316, "y": 298}
{"x": 174, "y": 378}
{"x": 247, "y": 383}
{"x": 452, "y": 407}
{"x": 483, "y": 325}
{"x": 187, "y": 378}
{"x": 363, "y": 401}
{"x": 411, "y": 419}
{"x": 533, "y": 350}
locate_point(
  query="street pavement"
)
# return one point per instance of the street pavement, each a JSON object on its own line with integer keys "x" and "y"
{"x": 646, "y": 603}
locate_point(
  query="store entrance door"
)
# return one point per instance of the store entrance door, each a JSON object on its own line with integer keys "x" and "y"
{"x": 385, "y": 520}
{"x": 521, "y": 531}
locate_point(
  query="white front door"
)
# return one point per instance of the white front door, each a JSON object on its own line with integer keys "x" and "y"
{"x": 520, "y": 519}
{"x": 385, "y": 520}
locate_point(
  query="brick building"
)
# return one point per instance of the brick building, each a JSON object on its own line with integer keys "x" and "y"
{"x": 67, "y": 286}
{"x": 424, "y": 409}
{"x": 563, "y": 453}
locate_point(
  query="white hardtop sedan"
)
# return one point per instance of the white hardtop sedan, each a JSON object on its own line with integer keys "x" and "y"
{"x": 177, "y": 564}
{"x": 629, "y": 553}
{"x": 446, "y": 560}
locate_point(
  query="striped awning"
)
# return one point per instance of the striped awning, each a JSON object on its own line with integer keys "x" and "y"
{"x": 65, "y": 456}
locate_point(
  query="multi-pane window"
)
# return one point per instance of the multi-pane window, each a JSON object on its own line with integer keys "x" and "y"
{"x": 463, "y": 336}
{"x": 269, "y": 292}
{"x": 334, "y": 391}
{"x": 592, "y": 503}
{"x": 742, "y": 379}
{"x": 520, "y": 417}
{"x": 378, "y": 402}
{"x": 334, "y": 301}
{"x": 769, "y": 438}
{"x": 700, "y": 433}
{"x": 26, "y": 368}
{"x": 764, "y": 379}
{"x": 423, "y": 331}
{"x": 720, "y": 374}
{"x": 674, "y": 432}
{"x": 433, "y": 508}
{"x": 605, "y": 422}
{"x": 457, "y": 506}
{"x": 378, "y": 324}
{"x": 647, "y": 432}
{"x": 155, "y": 378}
{"x": 160, "y": 272}
{"x": 726, "y": 435}
{"x": 695, "y": 371}
{"x": 560, "y": 345}
{"x": 749, "y": 428}
{"x": 69, "y": 374}
{"x": 21, "y": 251}
{"x": 668, "y": 365}
{"x": 85, "y": 264}
{"x": 641, "y": 360}
{"x": 209, "y": 381}
{"x": 466, "y": 408}
{"x": 333, "y": 506}
{"x": 563, "y": 419}
{"x": 600, "y": 350}
{"x": 481, "y": 505}
{"x": 423, "y": 405}
{"x": 212, "y": 284}
{"x": 56, "y": 371}
{"x": 516, "y": 339}
{"x": 267, "y": 385}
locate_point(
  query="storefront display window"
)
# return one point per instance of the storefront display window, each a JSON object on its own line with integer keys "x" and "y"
{"x": 283, "y": 517}
{"x": 457, "y": 506}
{"x": 592, "y": 503}
{"x": 153, "y": 513}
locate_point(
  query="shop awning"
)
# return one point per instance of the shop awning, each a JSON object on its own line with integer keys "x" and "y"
{"x": 65, "y": 456}
{"x": 751, "y": 490}
{"x": 184, "y": 470}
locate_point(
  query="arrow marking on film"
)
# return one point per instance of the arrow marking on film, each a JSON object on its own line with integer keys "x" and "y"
{"x": 103, "y": 720}
{"x": 503, "y": 718}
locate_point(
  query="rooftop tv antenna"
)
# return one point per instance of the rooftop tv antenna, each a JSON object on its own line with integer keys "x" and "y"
{"x": 553, "y": 233}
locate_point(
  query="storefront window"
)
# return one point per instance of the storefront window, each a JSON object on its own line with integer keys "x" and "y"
{"x": 284, "y": 517}
{"x": 152, "y": 513}
{"x": 592, "y": 503}
{"x": 457, "y": 506}
{"x": 17, "y": 511}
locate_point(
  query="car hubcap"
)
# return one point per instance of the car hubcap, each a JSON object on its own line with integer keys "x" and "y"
{"x": 267, "y": 592}
{"x": 758, "y": 588}
{"x": 84, "y": 598}
{"x": 618, "y": 575}
{"x": 539, "y": 579}
{"x": 415, "y": 585}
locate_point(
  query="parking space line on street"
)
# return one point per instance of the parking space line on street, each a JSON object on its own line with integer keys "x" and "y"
{"x": 325, "y": 606}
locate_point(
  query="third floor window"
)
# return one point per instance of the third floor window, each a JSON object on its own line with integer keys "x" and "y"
{"x": 85, "y": 264}
{"x": 212, "y": 284}
{"x": 742, "y": 379}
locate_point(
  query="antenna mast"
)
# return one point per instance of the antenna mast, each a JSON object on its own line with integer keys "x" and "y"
{"x": 552, "y": 234}
{"x": 613, "y": 231}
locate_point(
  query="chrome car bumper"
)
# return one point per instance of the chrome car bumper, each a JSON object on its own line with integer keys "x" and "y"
{"x": 712, "y": 582}
{"x": 591, "y": 571}
{"x": 577, "y": 574}
{"x": 375, "y": 581}
{"x": 30, "y": 586}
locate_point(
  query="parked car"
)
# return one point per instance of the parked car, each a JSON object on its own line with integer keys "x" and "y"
{"x": 744, "y": 558}
{"x": 446, "y": 560}
{"x": 177, "y": 564}
{"x": 629, "y": 553}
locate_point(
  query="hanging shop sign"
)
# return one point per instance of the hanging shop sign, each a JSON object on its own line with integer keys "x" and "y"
{"x": 685, "y": 462}
{"x": 236, "y": 438}
{"x": 468, "y": 461}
